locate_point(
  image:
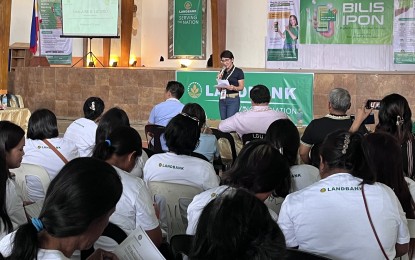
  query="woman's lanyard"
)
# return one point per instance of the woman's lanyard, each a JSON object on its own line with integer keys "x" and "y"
{"x": 231, "y": 72}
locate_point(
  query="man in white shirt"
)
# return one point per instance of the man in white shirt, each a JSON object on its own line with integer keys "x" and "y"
{"x": 256, "y": 120}
{"x": 164, "y": 111}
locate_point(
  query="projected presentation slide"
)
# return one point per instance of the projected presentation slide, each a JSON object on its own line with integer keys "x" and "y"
{"x": 90, "y": 18}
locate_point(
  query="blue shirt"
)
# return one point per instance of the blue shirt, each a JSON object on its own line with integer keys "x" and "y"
{"x": 162, "y": 113}
{"x": 208, "y": 146}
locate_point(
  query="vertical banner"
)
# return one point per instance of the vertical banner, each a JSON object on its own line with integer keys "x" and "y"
{"x": 282, "y": 30}
{"x": 187, "y": 29}
{"x": 346, "y": 21}
{"x": 57, "y": 50}
{"x": 404, "y": 32}
{"x": 291, "y": 93}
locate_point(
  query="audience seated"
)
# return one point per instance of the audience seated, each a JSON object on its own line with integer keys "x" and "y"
{"x": 135, "y": 208}
{"x": 75, "y": 212}
{"x": 284, "y": 135}
{"x": 256, "y": 120}
{"x": 394, "y": 118}
{"x": 330, "y": 217}
{"x": 11, "y": 152}
{"x": 208, "y": 145}
{"x": 82, "y": 131}
{"x": 383, "y": 153}
{"x": 162, "y": 113}
{"x": 259, "y": 168}
{"x": 177, "y": 165}
{"x": 318, "y": 129}
{"x": 43, "y": 129}
{"x": 237, "y": 225}
{"x": 112, "y": 119}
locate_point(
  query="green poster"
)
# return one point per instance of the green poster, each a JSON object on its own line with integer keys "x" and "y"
{"x": 346, "y": 21}
{"x": 187, "y": 28}
{"x": 57, "y": 50}
{"x": 291, "y": 93}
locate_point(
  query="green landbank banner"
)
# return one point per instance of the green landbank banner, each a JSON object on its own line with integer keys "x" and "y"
{"x": 57, "y": 50}
{"x": 346, "y": 21}
{"x": 291, "y": 93}
{"x": 187, "y": 28}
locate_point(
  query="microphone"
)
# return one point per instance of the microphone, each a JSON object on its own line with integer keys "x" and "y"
{"x": 222, "y": 70}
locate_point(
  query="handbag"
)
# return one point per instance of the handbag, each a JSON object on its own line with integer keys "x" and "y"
{"x": 371, "y": 223}
{"x": 53, "y": 148}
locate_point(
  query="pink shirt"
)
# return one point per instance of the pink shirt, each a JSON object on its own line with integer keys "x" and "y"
{"x": 256, "y": 120}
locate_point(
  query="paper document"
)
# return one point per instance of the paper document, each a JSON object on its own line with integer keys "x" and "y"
{"x": 138, "y": 246}
{"x": 33, "y": 210}
{"x": 222, "y": 83}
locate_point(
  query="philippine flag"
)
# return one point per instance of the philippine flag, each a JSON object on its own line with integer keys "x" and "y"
{"x": 35, "y": 29}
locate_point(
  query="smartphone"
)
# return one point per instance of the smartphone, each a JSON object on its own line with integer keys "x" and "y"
{"x": 370, "y": 119}
{"x": 322, "y": 26}
{"x": 373, "y": 104}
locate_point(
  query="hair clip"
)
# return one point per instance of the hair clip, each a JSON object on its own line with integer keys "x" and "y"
{"x": 108, "y": 142}
{"x": 399, "y": 121}
{"x": 92, "y": 107}
{"x": 191, "y": 117}
{"x": 281, "y": 150}
{"x": 346, "y": 143}
{"x": 37, "y": 223}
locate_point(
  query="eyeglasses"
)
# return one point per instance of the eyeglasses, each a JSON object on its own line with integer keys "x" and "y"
{"x": 191, "y": 117}
{"x": 225, "y": 60}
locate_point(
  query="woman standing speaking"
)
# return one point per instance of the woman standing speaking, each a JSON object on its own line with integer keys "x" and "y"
{"x": 229, "y": 97}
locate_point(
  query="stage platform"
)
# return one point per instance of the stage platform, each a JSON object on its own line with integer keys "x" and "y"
{"x": 136, "y": 90}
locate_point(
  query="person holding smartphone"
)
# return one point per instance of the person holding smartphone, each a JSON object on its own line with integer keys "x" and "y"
{"x": 229, "y": 98}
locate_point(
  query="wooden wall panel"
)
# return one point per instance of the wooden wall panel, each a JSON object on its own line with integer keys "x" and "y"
{"x": 5, "y": 14}
{"x": 218, "y": 8}
{"x": 127, "y": 9}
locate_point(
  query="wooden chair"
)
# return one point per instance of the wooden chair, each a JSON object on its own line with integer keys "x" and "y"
{"x": 153, "y": 136}
{"x": 227, "y": 147}
{"x": 177, "y": 197}
{"x": 246, "y": 138}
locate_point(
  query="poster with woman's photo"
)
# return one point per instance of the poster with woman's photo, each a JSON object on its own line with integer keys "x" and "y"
{"x": 283, "y": 30}
{"x": 404, "y": 32}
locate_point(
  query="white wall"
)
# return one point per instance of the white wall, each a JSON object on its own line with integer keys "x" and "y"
{"x": 246, "y": 32}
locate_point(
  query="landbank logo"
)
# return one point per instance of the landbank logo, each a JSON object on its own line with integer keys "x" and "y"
{"x": 194, "y": 90}
{"x": 187, "y": 5}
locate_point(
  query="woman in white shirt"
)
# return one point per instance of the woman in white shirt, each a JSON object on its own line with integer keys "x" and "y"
{"x": 82, "y": 131}
{"x": 284, "y": 135}
{"x": 177, "y": 165}
{"x": 43, "y": 129}
{"x": 341, "y": 206}
{"x": 11, "y": 152}
{"x": 259, "y": 168}
{"x": 76, "y": 210}
{"x": 121, "y": 149}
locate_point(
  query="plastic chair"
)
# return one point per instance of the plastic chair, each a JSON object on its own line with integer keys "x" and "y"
{"x": 246, "y": 138}
{"x": 180, "y": 245}
{"x": 411, "y": 227}
{"x": 112, "y": 231}
{"x": 37, "y": 171}
{"x": 154, "y": 132}
{"x": 295, "y": 254}
{"x": 177, "y": 197}
{"x": 227, "y": 148}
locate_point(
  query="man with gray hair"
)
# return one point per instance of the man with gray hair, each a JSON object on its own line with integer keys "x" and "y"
{"x": 318, "y": 129}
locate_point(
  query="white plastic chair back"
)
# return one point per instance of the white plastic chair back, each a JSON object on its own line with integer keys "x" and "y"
{"x": 411, "y": 227}
{"x": 37, "y": 171}
{"x": 177, "y": 197}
